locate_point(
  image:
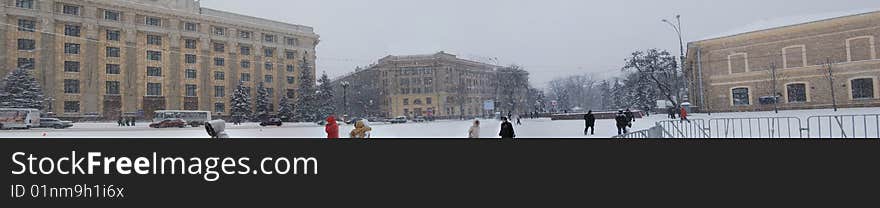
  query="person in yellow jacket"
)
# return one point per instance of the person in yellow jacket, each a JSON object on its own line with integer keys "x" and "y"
{"x": 360, "y": 131}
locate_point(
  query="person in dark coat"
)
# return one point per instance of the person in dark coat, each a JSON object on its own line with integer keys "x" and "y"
{"x": 622, "y": 122}
{"x": 671, "y": 112}
{"x": 133, "y": 121}
{"x": 506, "y": 129}
{"x": 119, "y": 121}
{"x": 518, "y": 120}
{"x": 629, "y": 115}
{"x": 590, "y": 121}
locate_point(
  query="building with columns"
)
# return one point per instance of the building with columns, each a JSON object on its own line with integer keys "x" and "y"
{"x": 109, "y": 58}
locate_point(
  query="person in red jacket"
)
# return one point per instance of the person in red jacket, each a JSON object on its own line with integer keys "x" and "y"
{"x": 684, "y": 115}
{"x": 332, "y": 128}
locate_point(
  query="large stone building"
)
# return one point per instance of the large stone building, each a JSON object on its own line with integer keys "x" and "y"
{"x": 109, "y": 57}
{"x": 735, "y": 73}
{"x": 437, "y": 85}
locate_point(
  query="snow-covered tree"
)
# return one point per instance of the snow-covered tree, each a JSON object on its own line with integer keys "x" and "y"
{"x": 604, "y": 95}
{"x": 241, "y": 103}
{"x": 285, "y": 109}
{"x": 21, "y": 90}
{"x": 305, "y": 105}
{"x": 660, "y": 70}
{"x": 262, "y": 103}
{"x": 326, "y": 106}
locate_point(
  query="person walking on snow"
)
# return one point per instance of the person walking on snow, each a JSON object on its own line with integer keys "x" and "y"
{"x": 474, "y": 131}
{"x": 506, "y": 129}
{"x": 671, "y": 112}
{"x": 684, "y": 115}
{"x": 332, "y": 128}
{"x": 629, "y": 115}
{"x": 590, "y": 121}
{"x": 622, "y": 123}
{"x": 518, "y": 120}
{"x": 360, "y": 131}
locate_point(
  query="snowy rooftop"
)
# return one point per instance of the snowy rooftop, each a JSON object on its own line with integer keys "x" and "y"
{"x": 774, "y": 23}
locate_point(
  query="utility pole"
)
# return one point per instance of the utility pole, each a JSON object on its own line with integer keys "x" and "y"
{"x": 773, "y": 82}
{"x": 829, "y": 74}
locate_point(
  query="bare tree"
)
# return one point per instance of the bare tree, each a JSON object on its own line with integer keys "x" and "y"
{"x": 660, "y": 68}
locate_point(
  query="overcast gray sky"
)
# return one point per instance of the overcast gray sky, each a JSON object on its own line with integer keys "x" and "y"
{"x": 551, "y": 38}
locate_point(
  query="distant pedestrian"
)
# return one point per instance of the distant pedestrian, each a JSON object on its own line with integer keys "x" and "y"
{"x": 622, "y": 122}
{"x": 647, "y": 111}
{"x": 133, "y": 121}
{"x": 518, "y": 121}
{"x": 474, "y": 131}
{"x": 671, "y": 112}
{"x": 332, "y": 128}
{"x": 629, "y": 115}
{"x": 684, "y": 115}
{"x": 590, "y": 121}
{"x": 119, "y": 121}
{"x": 506, "y": 129}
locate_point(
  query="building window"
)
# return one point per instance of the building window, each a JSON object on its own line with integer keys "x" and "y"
{"x": 290, "y": 41}
{"x": 113, "y": 35}
{"x": 72, "y": 30}
{"x": 219, "y": 107}
{"x": 245, "y": 64}
{"x": 190, "y": 58}
{"x": 291, "y": 80}
{"x": 191, "y": 90}
{"x": 112, "y": 15}
{"x": 245, "y": 77}
{"x": 218, "y": 31}
{"x": 71, "y": 48}
{"x": 245, "y": 34}
{"x": 245, "y": 51}
{"x": 797, "y": 93}
{"x": 190, "y": 43}
{"x": 268, "y": 52}
{"x": 860, "y": 48}
{"x": 189, "y": 26}
{"x": 269, "y": 66}
{"x": 71, "y": 66}
{"x": 219, "y": 47}
{"x": 112, "y": 87}
{"x": 26, "y": 44}
{"x": 219, "y": 61}
{"x": 290, "y": 68}
{"x": 191, "y": 74}
{"x": 405, "y": 101}
{"x": 269, "y": 38}
{"x": 153, "y": 21}
{"x": 290, "y": 54}
{"x": 740, "y": 96}
{"x": 70, "y": 9}
{"x": 26, "y": 63}
{"x": 267, "y": 78}
{"x": 738, "y": 63}
{"x": 154, "y": 71}
{"x": 113, "y": 52}
{"x": 428, "y": 100}
{"x": 154, "y": 55}
{"x": 862, "y": 88}
{"x": 112, "y": 69}
{"x": 291, "y": 93}
{"x": 71, "y": 86}
{"x": 154, "y": 89}
{"x": 154, "y": 40}
{"x": 71, "y": 106}
{"x": 26, "y": 25}
{"x": 270, "y": 92}
{"x": 417, "y": 102}
{"x": 218, "y": 75}
{"x": 219, "y": 91}
{"x": 27, "y": 4}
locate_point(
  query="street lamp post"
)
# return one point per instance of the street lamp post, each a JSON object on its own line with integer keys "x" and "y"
{"x": 677, "y": 27}
{"x": 345, "y": 85}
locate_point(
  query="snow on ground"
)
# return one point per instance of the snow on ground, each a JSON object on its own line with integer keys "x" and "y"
{"x": 531, "y": 128}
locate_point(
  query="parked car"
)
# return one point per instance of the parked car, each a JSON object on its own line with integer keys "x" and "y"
{"x": 169, "y": 123}
{"x": 353, "y": 121}
{"x": 400, "y": 119}
{"x": 271, "y": 122}
{"x": 54, "y": 123}
{"x": 419, "y": 119}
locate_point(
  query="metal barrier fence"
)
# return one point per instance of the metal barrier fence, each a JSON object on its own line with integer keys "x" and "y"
{"x": 653, "y": 132}
{"x": 760, "y": 127}
{"x": 695, "y": 129}
{"x": 844, "y": 126}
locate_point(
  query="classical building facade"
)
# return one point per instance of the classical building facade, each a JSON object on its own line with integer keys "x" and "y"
{"x": 437, "y": 85}
{"x": 742, "y": 72}
{"x": 107, "y": 58}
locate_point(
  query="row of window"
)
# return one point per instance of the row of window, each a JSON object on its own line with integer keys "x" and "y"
{"x": 860, "y": 89}
{"x": 113, "y": 15}
{"x": 428, "y": 101}
{"x": 857, "y": 49}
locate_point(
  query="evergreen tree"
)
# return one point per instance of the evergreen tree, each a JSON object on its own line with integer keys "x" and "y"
{"x": 285, "y": 109}
{"x": 241, "y": 103}
{"x": 21, "y": 90}
{"x": 262, "y": 104}
{"x": 305, "y": 104}
{"x": 326, "y": 106}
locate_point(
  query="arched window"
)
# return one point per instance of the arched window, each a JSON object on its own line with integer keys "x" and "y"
{"x": 797, "y": 93}
{"x": 862, "y": 88}
{"x": 740, "y": 96}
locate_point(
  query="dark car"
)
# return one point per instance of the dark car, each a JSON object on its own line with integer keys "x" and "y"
{"x": 271, "y": 122}
{"x": 169, "y": 123}
{"x": 420, "y": 119}
{"x": 54, "y": 123}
